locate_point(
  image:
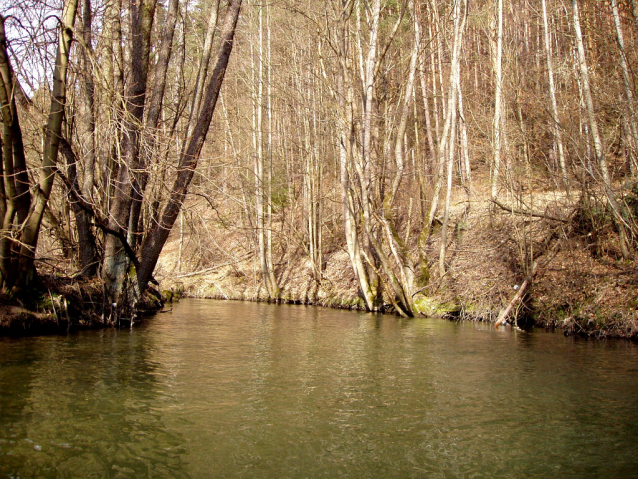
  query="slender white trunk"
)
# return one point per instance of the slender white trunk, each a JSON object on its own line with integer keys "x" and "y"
{"x": 459, "y": 24}
{"x": 552, "y": 95}
{"x": 593, "y": 124}
{"x": 345, "y": 98}
{"x": 627, "y": 84}
{"x": 497, "y": 122}
{"x": 274, "y": 288}
{"x": 465, "y": 152}
{"x": 202, "y": 72}
{"x": 446, "y": 137}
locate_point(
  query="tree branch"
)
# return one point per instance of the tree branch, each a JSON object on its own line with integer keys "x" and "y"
{"x": 535, "y": 214}
{"x": 100, "y": 222}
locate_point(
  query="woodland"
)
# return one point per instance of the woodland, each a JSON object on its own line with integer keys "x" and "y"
{"x": 465, "y": 159}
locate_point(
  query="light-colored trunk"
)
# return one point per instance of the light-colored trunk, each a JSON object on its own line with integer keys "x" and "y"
{"x": 427, "y": 114}
{"x": 556, "y": 128}
{"x": 465, "y": 151}
{"x": 274, "y": 287}
{"x": 460, "y": 12}
{"x": 30, "y": 233}
{"x": 405, "y": 112}
{"x": 345, "y": 98}
{"x": 595, "y": 133}
{"x": 627, "y": 86}
{"x": 261, "y": 168}
{"x": 446, "y": 137}
{"x": 497, "y": 66}
{"x": 181, "y": 240}
{"x": 202, "y": 72}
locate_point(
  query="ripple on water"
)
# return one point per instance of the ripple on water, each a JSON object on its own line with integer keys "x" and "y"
{"x": 228, "y": 389}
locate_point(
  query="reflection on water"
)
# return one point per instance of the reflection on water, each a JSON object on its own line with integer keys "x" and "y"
{"x": 83, "y": 406}
{"x": 229, "y": 389}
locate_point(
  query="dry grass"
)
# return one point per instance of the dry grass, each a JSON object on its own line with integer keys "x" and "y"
{"x": 577, "y": 287}
{"x": 580, "y": 284}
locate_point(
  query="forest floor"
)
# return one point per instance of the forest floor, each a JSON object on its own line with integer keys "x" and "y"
{"x": 580, "y": 283}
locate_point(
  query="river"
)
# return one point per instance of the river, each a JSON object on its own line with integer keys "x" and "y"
{"x": 232, "y": 389}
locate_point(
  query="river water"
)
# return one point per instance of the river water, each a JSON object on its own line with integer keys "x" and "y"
{"x": 231, "y": 389}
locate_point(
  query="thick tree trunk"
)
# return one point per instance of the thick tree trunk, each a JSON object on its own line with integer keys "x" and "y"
{"x": 116, "y": 261}
{"x": 154, "y": 109}
{"x": 156, "y": 238}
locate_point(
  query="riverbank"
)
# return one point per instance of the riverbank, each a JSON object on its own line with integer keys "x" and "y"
{"x": 62, "y": 303}
{"x": 579, "y": 284}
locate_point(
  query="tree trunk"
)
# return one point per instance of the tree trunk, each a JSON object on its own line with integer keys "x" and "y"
{"x": 154, "y": 109}
{"x": 556, "y": 128}
{"x": 86, "y": 239}
{"x": 29, "y": 238}
{"x": 497, "y": 121}
{"x": 116, "y": 261}
{"x": 597, "y": 139}
{"x": 88, "y": 254}
{"x": 156, "y": 238}
{"x": 460, "y": 15}
{"x": 630, "y": 114}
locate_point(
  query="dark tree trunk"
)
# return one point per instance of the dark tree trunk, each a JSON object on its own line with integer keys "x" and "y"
{"x": 189, "y": 157}
{"x": 87, "y": 252}
{"x": 115, "y": 258}
{"x": 152, "y": 118}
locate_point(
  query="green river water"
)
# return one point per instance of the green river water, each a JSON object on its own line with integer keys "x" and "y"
{"x": 230, "y": 389}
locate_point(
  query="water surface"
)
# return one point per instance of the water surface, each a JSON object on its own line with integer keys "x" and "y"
{"x": 231, "y": 389}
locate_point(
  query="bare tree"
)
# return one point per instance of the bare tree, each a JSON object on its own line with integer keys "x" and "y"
{"x": 595, "y": 133}
{"x": 19, "y": 269}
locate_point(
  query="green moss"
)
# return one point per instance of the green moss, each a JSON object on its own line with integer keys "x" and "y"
{"x": 423, "y": 275}
{"x": 430, "y": 307}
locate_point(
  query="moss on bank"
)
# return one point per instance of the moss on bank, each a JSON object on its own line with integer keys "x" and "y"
{"x": 60, "y": 304}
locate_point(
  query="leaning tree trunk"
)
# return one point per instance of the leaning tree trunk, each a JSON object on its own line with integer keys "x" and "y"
{"x": 116, "y": 260}
{"x": 154, "y": 110}
{"x": 627, "y": 86}
{"x": 156, "y": 238}
{"x": 595, "y": 132}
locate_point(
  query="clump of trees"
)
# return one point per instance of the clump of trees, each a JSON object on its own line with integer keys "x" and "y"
{"x": 105, "y": 177}
{"x": 349, "y": 122}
